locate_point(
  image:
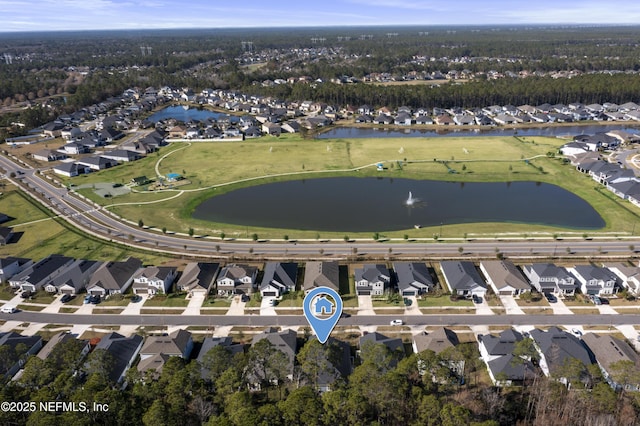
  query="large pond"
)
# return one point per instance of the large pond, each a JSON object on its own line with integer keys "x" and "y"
{"x": 552, "y": 131}
{"x": 380, "y": 204}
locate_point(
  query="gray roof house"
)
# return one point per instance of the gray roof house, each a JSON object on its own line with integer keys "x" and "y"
{"x": 555, "y": 348}
{"x": 198, "y": 277}
{"x": 74, "y": 279}
{"x": 10, "y": 266}
{"x": 59, "y": 339}
{"x": 36, "y": 276}
{"x": 6, "y": 233}
{"x": 210, "y": 343}
{"x": 608, "y": 351}
{"x": 279, "y": 278}
{"x": 394, "y": 345}
{"x": 549, "y": 278}
{"x": 321, "y": 274}
{"x": 154, "y": 279}
{"x": 463, "y": 278}
{"x": 372, "y": 280}
{"x": 123, "y": 351}
{"x": 413, "y": 279}
{"x": 97, "y": 162}
{"x": 595, "y": 280}
{"x": 505, "y": 369}
{"x": 113, "y": 277}
{"x": 629, "y": 276}
{"x": 341, "y": 363}
{"x": 236, "y": 279}
{"x": 19, "y": 349}
{"x": 157, "y": 349}
{"x": 122, "y": 155}
{"x": 285, "y": 341}
{"x": 504, "y": 277}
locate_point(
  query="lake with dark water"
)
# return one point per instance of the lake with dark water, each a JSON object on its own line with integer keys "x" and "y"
{"x": 379, "y": 204}
{"x": 552, "y": 131}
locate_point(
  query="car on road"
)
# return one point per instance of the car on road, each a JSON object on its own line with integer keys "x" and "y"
{"x": 66, "y": 298}
{"x": 8, "y": 309}
{"x": 396, "y": 322}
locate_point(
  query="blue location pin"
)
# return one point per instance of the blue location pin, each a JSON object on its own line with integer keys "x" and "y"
{"x": 316, "y": 308}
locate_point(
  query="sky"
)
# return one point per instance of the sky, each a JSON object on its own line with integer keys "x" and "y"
{"x": 66, "y": 15}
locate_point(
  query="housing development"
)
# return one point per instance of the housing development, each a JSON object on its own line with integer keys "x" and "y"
{"x": 165, "y": 210}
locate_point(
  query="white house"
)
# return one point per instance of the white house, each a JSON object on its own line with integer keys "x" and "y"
{"x": 154, "y": 280}
{"x": 595, "y": 280}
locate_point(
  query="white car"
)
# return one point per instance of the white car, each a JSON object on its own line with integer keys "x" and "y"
{"x": 396, "y": 322}
{"x": 8, "y": 309}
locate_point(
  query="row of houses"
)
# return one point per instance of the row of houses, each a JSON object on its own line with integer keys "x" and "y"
{"x": 62, "y": 274}
{"x": 550, "y": 353}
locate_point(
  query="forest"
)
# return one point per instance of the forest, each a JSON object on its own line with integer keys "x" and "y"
{"x": 256, "y": 387}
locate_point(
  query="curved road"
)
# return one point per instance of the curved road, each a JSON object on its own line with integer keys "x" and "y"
{"x": 94, "y": 220}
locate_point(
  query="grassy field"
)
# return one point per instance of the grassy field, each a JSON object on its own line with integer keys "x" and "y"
{"x": 231, "y": 165}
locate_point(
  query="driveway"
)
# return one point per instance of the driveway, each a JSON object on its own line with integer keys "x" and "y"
{"x": 237, "y": 306}
{"x": 133, "y": 308}
{"x": 559, "y": 308}
{"x": 483, "y": 308}
{"x": 195, "y": 303}
{"x": 413, "y": 309}
{"x": 365, "y": 305}
{"x": 266, "y": 306}
{"x": 510, "y": 305}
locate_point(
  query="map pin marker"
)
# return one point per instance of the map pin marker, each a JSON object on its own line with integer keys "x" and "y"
{"x": 322, "y": 308}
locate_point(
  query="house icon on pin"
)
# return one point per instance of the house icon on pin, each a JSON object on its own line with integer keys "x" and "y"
{"x": 323, "y": 306}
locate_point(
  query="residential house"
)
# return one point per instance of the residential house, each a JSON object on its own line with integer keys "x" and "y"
{"x": 109, "y": 134}
{"x": 48, "y": 155}
{"x": 74, "y": 148}
{"x": 154, "y": 280}
{"x": 372, "y": 280}
{"x": 440, "y": 340}
{"x": 414, "y": 279}
{"x": 424, "y": 119}
{"x": 285, "y": 341}
{"x": 291, "y": 127}
{"x": 57, "y": 342}
{"x": 198, "y": 277}
{"x": 157, "y": 349}
{"x": 321, "y": 274}
{"x": 612, "y": 355}
{"x": 272, "y": 129}
{"x": 340, "y": 364}
{"x": 505, "y": 368}
{"x": 462, "y": 278}
{"x": 113, "y": 277}
{"x": 10, "y": 266}
{"x": 279, "y": 278}
{"x": 443, "y": 120}
{"x": 123, "y": 351}
{"x": 556, "y": 348}
{"x": 549, "y": 278}
{"x": 121, "y": 155}
{"x": 394, "y": 345}
{"x": 211, "y": 342}
{"x": 97, "y": 162}
{"x": 15, "y": 349}
{"x": 504, "y": 277}
{"x": 74, "y": 279}
{"x": 595, "y": 280}
{"x": 36, "y": 276}
{"x": 403, "y": 119}
{"x": 236, "y": 279}
{"x": 52, "y": 129}
{"x": 6, "y": 234}
{"x": 71, "y": 169}
{"x": 464, "y": 120}
{"x": 629, "y": 277}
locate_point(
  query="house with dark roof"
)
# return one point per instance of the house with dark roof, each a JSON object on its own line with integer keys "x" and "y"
{"x": 438, "y": 341}
{"x": 122, "y": 155}
{"x": 113, "y": 277}
{"x": 71, "y": 169}
{"x": 595, "y": 280}
{"x": 36, "y": 276}
{"x": 6, "y": 233}
{"x": 549, "y": 278}
{"x": 57, "y": 341}
{"x": 154, "y": 280}
{"x": 505, "y": 368}
{"x": 285, "y": 341}
{"x": 279, "y": 278}
{"x": 611, "y": 355}
{"x": 157, "y": 349}
{"x": 504, "y": 277}
{"x": 236, "y": 279}
{"x": 109, "y": 134}
{"x": 462, "y": 278}
{"x": 211, "y": 342}
{"x": 123, "y": 352}
{"x": 321, "y": 274}
{"x": 372, "y": 280}
{"x": 198, "y": 277}
{"x": 10, "y": 266}
{"x": 413, "y": 279}
{"x": 97, "y": 162}
{"x": 394, "y": 345}
{"x": 16, "y": 348}
{"x": 556, "y": 347}
{"x": 74, "y": 279}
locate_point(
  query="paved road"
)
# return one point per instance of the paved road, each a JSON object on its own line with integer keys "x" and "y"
{"x": 299, "y": 320}
{"x": 94, "y": 220}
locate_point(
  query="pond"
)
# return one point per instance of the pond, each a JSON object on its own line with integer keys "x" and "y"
{"x": 380, "y": 204}
{"x": 552, "y": 131}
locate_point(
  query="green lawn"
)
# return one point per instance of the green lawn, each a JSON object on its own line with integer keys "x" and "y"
{"x": 169, "y": 301}
{"x": 444, "y": 300}
{"x": 475, "y": 159}
{"x": 216, "y": 302}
